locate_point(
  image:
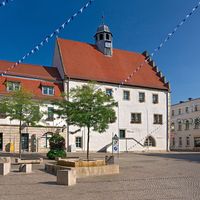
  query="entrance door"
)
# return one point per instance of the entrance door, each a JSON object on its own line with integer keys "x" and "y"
{"x": 1, "y": 141}
{"x": 25, "y": 141}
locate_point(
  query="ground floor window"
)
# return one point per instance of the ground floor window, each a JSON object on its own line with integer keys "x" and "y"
{"x": 45, "y": 139}
{"x": 79, "y": 142}
{"x": 180, "y": 141}
{"x": 188, "y": 141}
{"x": 150, "y": 142}
{"x": 197, "y": 141}
{"x": 122, "y": 134}
{"x": 173, "y": 141}
{"x": 1, "y": 141}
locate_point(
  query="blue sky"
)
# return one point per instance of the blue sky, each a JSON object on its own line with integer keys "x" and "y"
{"x": 136, "y": 26}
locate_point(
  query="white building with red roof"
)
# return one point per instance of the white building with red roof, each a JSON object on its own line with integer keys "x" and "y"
{"x": 143, "y": 99}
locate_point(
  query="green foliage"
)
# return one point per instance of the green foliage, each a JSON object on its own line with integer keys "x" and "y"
{"x": 57, "y": 147}
{"x": 87, "y": 107}
{"x": 57, "y": 142}
{"x": 20, "y": 106}
{"x": 52, "y": 154}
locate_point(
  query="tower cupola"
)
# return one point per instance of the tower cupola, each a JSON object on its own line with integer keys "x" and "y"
{"x": 104, "y": 40}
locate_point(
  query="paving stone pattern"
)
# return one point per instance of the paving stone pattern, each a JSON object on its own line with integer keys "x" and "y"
{"x": 172, "y": 176}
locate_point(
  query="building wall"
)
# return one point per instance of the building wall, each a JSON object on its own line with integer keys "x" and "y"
{"x": 9, "y": 129}
{"x": 36, "y": 137}
{"x": 192, "y": 133}
{"x": 138, "y": 132}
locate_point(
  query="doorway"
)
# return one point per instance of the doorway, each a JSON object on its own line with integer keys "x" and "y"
{"x": 25, "y": 141}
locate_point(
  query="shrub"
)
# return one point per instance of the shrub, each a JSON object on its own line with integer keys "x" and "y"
{"x": 57, "y": 147}
{"x": 52, "y": 154}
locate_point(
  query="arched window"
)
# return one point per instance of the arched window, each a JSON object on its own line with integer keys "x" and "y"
{"x": 150, "y": 142}
{"x": 101, "y": 37}
{"x": 187, "y": 125}
{"x": 45, "y": 139}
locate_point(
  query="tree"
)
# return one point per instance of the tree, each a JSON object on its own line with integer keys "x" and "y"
{"x": 87, "y": 107}
{"x": 19, "y": 105}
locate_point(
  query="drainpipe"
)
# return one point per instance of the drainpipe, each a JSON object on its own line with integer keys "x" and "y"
{"x": 67, "y": 123}
{"x": 168, "y": 119}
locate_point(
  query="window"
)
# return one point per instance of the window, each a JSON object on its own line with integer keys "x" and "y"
{"x": 172, "y": 126}
{"x": 122, "y": 134}
{"x": 196, "y": 108}
{"x": 179, "y": 126}
{"x": 101, "y": 37}
{"x": 126, "y": 95}
{"x": 47, "y": 90}
{"x": 172, "y": 112}
{"x": 107, "y": 36}
{"x": 158, "y": 119}
{"x": 3, "y": 115}
{"x": 173, "y": 141}
{"x": 141, "y": 97}
{"x": 187, "y": 125}
{"x": 186, "y": 109}
{"x": 188, "y": 141}
{"x": 197, "y": 123}
{"x": 45, "y": 139}
{"x": 179, "y": 111}
{"x": 79, "y": 142}
{"x": 136, "y": 118}
{"x": 12, "y": 86}
{"x": 180, "y": 141}
{"x": 50, "y": 114}
{"x": 109, "y": 92}
{"x": 197, "y": 141}
{"x": 150, "y": 142}
{"x": 155, "y": 98}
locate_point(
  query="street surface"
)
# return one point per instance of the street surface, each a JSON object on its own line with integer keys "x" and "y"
{"x": 143, "y": 176}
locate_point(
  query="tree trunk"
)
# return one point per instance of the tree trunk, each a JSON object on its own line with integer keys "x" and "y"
{"x": 88, "y": 143}
{"x": 20, "y": 139}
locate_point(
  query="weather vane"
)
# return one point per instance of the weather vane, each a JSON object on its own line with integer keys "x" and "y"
{"x": 103, "y": 18}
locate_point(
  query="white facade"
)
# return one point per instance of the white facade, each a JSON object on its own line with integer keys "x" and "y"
{"x": 135, "y": 133}
{"x": 185, "y": 125}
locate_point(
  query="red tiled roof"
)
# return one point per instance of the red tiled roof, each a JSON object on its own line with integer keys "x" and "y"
{"x": 84, "y": 61}
{"x": 31, "y": 77}
{"x": 28, "y": 70}
{"x": 33, "y": 86}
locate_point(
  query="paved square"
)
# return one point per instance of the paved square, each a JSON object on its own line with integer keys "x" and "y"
{"x": 142, "y": 177}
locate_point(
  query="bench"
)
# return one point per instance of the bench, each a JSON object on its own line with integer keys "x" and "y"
{"x": 5, "y": 165}
{"x": 66, "y": 177}
{"x": 26, "y": 165}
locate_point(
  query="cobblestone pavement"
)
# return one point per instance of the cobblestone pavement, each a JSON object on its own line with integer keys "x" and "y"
{"x": 171, "y": 176}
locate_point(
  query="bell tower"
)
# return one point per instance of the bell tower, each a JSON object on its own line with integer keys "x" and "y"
{"x": 104, "y": 40}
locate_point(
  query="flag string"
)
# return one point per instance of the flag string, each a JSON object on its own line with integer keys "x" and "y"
{"x": 167, "y": 38}
{"x": 48, "y": 37}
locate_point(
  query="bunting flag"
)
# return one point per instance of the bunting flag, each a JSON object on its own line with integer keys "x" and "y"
{"x": 3, "y": 3}
{"x": 48, "y": 37}
{"x": 167, "y": 38}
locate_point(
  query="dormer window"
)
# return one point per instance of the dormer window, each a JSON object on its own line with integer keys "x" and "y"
{"x": 12, "y": 86}
{"x": 48, "y": 90}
